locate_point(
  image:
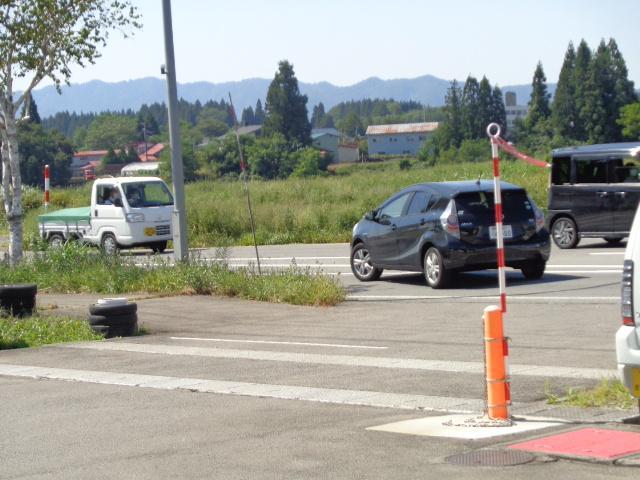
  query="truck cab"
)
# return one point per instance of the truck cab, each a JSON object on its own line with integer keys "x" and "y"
{"x": 125, "y": 212}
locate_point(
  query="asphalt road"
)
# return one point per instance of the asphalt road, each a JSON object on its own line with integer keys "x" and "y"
{"x": 588, "y": 274}
{"x": 225, "y": 388}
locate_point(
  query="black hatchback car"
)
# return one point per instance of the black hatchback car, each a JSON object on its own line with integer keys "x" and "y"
{"x": 442, "y": 228}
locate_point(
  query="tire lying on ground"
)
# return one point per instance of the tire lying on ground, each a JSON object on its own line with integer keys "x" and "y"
{"x": 121, "y": 320}
{"x": 18, "y": 300}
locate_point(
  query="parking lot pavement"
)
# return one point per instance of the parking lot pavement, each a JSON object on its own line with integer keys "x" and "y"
{"x": 237, "y": 389}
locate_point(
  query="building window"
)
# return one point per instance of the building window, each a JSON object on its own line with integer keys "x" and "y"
{"x": 373, "y": 140}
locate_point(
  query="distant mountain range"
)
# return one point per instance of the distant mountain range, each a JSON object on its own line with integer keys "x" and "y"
{"x": 99, "y": 96}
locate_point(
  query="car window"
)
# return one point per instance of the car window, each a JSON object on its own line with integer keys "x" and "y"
{"x": 394, "y": 208}
{"x": 591, "y": 171}
{"x": 627, "y": 171}
{"x": 479, "y": 206}
{"x": 419, "y": 203}
{"x": 561, "y": 171}
{"x": 103, "y": 193}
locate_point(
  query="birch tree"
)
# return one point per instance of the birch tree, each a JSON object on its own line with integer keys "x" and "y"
{"x": 45, "y": 39}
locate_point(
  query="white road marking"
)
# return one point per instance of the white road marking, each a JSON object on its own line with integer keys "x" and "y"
{"x": 606, "y": 253}
{"x": 343, "y": 360}
{"x": 283, "y": 392}
{"x": 577, "y": 265}
{"x": 231, "y": 340}
{"x": 524, "y": 298}
{"x": 253, "y": 259}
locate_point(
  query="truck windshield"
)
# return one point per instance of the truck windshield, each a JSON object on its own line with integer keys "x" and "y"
{"x": 147, "y": 194}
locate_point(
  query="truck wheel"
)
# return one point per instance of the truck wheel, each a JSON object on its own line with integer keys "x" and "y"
{"x": 56, "y": 240}
{"x": 109, "y": 244}
{"x": 159, "y": 247}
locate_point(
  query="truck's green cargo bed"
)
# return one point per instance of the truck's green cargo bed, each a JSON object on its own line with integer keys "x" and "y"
{"x": 68, "y": 215}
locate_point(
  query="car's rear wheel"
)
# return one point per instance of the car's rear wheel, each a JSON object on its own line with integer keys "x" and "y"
{"x": 613, "y": 240}
{"x": 56, "y": 240}
{"x": 533, "y": 269}
{"x": 435, "y": 273}
{"x": 361, "y": 265}
{"x": 565, "y": 233}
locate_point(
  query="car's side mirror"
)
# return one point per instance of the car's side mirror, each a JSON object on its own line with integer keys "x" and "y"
{"x": 371, "y": 215}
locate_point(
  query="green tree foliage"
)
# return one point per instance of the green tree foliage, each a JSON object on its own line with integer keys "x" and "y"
{"x": 38, "y": 148}
{"x": 221, "y": 158}
{"x": 498, "y": 110}
{"x": 270, "y": 157}
{"x": 579, "y": 80}
{"x": 111, "y": 158}
{"x": 309, "y": 162}
{"x": 258, "y": 113}
{"x": 248, "y": 117}
{"x": 351, "y": 126}
{"x": 287, "y": 107}
{"x": 539, "y": 108}
{"x": 317, "y": 116}
{"x": 630, "y": 121}
{"x": 110, "y": 131}
{"x": 471, "y": 123}
{"x": 565, "y": 110}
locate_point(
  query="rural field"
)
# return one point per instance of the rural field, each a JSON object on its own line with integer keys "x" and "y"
{"x": 301, "y": 210}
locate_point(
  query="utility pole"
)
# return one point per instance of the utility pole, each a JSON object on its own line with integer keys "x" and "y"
{"x": 180, "y": 248}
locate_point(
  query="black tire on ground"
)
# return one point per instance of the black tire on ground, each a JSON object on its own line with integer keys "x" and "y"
{"x": 159, "y": 247}
{"x": 18, "y": 307}
{"x": 126, "y": 330}
{"x": 56, "y": 240}
{"x": 361, "y": 265}
{"x": 112, "y": 320}
{"x": 533, "y": 269}
{"x": 565, "y": 233}
{"x": 435, "y": 273}
{"x": 111, "y": 310}
{"x": 101, "y": 329}
{"x": 109, "y": 244}
{"x": 613, "y": 240}
{"x": 19, "y": 290}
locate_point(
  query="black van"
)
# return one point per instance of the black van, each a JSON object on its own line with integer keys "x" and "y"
{"x": 594, "y": 192}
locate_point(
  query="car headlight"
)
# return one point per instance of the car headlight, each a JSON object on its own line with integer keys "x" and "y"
{"x": 135, "y": 217}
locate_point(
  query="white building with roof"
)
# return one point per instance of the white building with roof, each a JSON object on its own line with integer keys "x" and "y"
{"x": 398, "y": 139}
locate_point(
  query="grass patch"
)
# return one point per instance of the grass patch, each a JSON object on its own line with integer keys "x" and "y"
{"x": 43, "y": 330}
{"x": 306, "y": 210}
{"x": 80, "y": 269}
{"x": 609, "y": 393}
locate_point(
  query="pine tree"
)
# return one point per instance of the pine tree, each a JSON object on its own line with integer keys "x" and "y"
{"x": 624, "y": 93}
{"x": 485, "y": 100}
{"x": 539, "y": 109}
{"x": 453, "y": 111}
{"x": 498, "y": 111}
{"x": 564, "y": 112}
{"x": 258, "y": 113}
{"x": 317, "y": 117}
{"x": 287, "y": 107}
{"x": 470, "y": 108}
{"x": 248, "y": 117}
{"x": 579, "y": 81}
{"x": 599, "y": 91}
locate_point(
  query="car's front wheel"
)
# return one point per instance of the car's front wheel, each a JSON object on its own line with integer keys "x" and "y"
{"x": 435, "y": 273}
{"x": 361, "y": 265}
{"x": 109, "y": 244}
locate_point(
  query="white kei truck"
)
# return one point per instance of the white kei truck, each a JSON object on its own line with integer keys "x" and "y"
{"x": 125, "y": 212}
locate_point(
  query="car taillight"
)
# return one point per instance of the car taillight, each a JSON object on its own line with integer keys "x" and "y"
{"x": 449, "y": 220}
{"x": 539, "y": 216}
{"x": 627, "y": 293}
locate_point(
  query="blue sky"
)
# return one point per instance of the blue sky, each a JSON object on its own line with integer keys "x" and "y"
{"x": 346, "y": 41}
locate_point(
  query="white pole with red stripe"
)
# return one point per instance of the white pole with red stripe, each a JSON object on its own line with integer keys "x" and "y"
{"x": 493, "y": 130}
{"x": 46, "y": 187}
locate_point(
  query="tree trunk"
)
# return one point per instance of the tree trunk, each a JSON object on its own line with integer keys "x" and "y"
{"x": 12, "y": 188}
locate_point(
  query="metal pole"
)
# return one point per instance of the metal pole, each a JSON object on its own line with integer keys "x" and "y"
{"x": 180, "y": 249}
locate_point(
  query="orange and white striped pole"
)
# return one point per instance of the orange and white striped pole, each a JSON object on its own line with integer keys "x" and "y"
{"x": 46, "y": 186}
{"x": 493, "y": 130}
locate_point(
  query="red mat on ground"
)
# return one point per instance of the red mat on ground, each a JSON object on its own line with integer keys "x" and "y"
{"x": 588, "y": 442}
